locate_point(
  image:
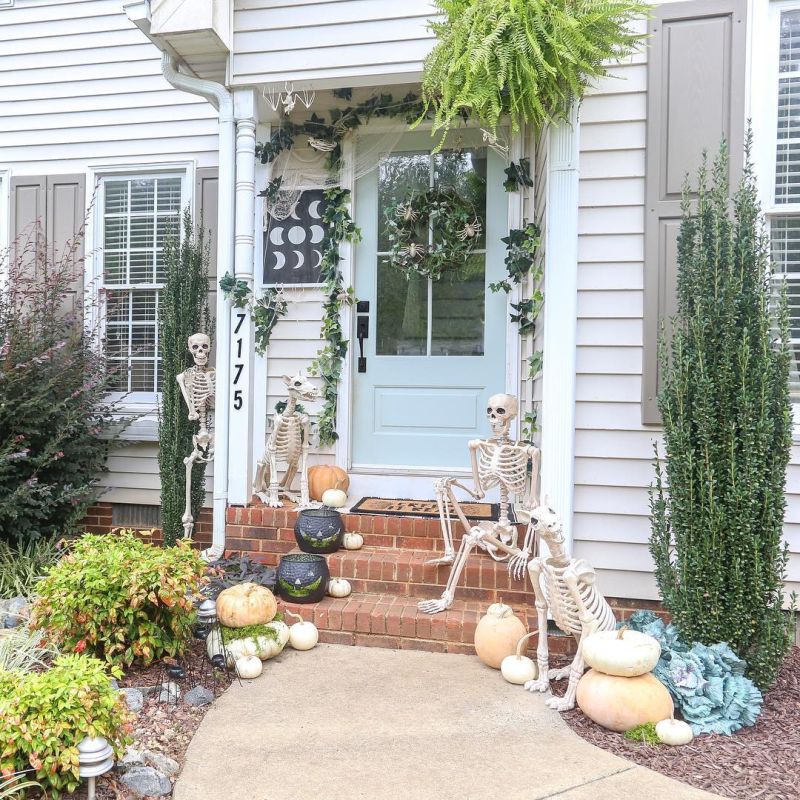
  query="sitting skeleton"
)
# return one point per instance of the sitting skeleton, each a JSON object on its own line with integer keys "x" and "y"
{"x": 566, "y": 587}
{"x": 198, "y": 384}
{"x": 288, "y": 443}
{"x": 496, "y": 462}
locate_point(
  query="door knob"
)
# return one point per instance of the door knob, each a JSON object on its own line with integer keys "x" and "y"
{"x": 362, "y": 332}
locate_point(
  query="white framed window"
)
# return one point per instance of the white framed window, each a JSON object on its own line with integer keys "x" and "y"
{"x": 776, "y": 55}
{"x": 134, "y": 215}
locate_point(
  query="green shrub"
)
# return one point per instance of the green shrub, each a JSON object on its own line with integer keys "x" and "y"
{"x": 717, "y": 512}
{"x": 56, "y": 424}
{"x": 120, "y": 598}
{"x": 44, "y": 716}
{"x": 22, "y": 564}
{"x": 183, "y": 311}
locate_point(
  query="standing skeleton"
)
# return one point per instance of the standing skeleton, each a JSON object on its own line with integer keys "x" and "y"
{"x": 496, "y": 462}
{"x": 566, "y": 586}
{"x": 287, "y": 443}
{"x": 197, "y": 386}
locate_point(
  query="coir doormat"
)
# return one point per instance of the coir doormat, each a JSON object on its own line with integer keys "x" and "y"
{"x": 399, "y": 507}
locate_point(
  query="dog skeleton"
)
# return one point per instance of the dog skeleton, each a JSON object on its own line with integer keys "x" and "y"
{"x": 288, "y": 443}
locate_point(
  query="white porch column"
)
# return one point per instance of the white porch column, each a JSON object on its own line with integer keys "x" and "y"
{"x": 240, "y": 392}
{"x": 560, "y": 321}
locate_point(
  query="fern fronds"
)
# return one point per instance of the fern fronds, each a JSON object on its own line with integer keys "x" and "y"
{"x": 528, "y": 59}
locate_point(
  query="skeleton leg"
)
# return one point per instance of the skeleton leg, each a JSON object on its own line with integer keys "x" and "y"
{"x": 187, "y": 519}
{"x": 442, "y": 489}
{"x": 468, "y": 542}
{"x": 542, "y": 683}
{"x": 589, "y": 624}
{"x": 304, "y": 498}
{"x": 273, "y": 499}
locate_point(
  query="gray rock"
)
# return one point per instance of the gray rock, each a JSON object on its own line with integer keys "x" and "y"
{"x": 199, "y": 696}
{"x": 134, "y": 698}
{"x": 147, "y": 782}
{"x": 12, "y": 621}
{"x": 164, "y": 764}
{"x": 114, "y": 684}
{"x": 18, "y": 605}
{"x": 170, "y": 693}
{"x": 132, "y": 758}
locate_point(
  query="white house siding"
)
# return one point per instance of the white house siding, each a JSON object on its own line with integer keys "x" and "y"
{"x": 325, "y": 41}
{"x": 613, "y": 450}
{"x": 81, "y": 87}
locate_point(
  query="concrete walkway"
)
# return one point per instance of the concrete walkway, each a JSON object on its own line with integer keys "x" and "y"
{"x": 346, "y": 723}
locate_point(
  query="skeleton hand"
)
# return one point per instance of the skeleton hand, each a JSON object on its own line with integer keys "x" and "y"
{"x": 518, "y": 564}
{"x": 193, "y": 416}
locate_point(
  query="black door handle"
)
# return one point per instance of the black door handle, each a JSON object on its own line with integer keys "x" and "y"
{"x": 362, "y": 332}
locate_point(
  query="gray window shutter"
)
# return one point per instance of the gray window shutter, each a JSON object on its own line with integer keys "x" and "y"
{"x": 27, "y": 219}
{"x": 695, "y": 97}
{"x": 206, "y": 192}
{"x": 66, "y": 216}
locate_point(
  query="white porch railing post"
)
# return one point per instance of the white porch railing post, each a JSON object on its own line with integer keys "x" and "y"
{"x": 560, "y": 322}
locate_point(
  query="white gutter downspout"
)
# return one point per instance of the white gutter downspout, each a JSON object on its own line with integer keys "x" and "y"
{"x": 222, "y": 100}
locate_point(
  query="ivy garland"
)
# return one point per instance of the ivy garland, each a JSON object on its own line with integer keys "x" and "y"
{"x": 265, "y": 312}
{"x": 408, "y": 223}
{"x": 330, "y": 359}
{"x": 522, "y": 245}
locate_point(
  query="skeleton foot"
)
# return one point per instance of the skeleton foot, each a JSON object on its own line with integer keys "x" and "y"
{"x": 538, "y": 685}
{"x": 274, "y": 500}
{"x": 447, "y": 558}
{"x": 559, "y": 674}
{"x": 435, "y": 606}
{"x": 560, "y": 703}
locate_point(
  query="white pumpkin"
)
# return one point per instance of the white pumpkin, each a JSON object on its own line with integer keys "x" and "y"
{"x": 517, "y": 668}
{"x": 269, "y": 647}
{"x": 248, "y": 667}
{"x": 339, "y": 587}
{"x": 303, "y": 635}
{"x": 624, "y": 652}
{"x": 334, "y": 498}
{"x": 353, "y": 541}
{"x": 674, "y": 732}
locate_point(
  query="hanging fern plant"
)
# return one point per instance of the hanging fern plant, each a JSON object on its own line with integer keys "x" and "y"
{"x": 528, "y": 59}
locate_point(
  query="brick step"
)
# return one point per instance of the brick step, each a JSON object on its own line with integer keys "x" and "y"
{"x": 383, "y": 620}
{"x": 404, "y": 573}
{"x": 254, "y": 524}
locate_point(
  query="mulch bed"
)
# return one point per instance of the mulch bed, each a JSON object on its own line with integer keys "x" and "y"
{"x": 162, "y": 728}
{"x": 758, "y": 763}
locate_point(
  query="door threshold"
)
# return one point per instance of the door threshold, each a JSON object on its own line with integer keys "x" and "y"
{"x": 389, "y": 470}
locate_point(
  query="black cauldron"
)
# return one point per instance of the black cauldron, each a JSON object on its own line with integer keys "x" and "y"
{"x": 303, "y": 577}
{"x": 319, "y": 530}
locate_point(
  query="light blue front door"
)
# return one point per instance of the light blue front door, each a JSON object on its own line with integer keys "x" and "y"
{"x": 435, "y": 350}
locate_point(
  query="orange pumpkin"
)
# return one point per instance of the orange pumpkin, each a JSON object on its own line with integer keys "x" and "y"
{"x": 322, "y": 477}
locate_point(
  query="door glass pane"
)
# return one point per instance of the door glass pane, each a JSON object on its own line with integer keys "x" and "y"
{"x": 464, "y": 172}
{"x": 402, "y": 315}
{"x": 459, "y": 311}
{"x": 399, "y": 176}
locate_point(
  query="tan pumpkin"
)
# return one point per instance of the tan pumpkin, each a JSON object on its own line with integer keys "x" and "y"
{"x": 497, "y": 634}
{"x": 620, "y": 704}
{"x": 246, "y": 604}
{"x": 322, "y": 477}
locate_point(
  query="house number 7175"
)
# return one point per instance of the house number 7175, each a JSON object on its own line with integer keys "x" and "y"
{"x": 238, "y": 367}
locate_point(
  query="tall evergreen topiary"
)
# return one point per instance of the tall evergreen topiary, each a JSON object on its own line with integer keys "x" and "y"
{"x": 183, "y": 310}
{"x": 718, "y": 502}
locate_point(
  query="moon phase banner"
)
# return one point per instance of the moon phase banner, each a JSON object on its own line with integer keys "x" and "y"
{"x": 293, "y": 246}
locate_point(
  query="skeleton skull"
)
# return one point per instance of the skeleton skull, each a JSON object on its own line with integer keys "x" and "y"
{"x": 301, "y": 386}
{"x": 200, "y": 348}
{"x": 502, "y": 409}
{"x": 548, "y": 524}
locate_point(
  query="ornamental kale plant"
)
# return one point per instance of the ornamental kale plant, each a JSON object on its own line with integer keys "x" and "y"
{"x": 121, "y": 599}
{"x": 718, "y": 502}
{"x": 183, "y": 310}
{"x": 56, "y": 425}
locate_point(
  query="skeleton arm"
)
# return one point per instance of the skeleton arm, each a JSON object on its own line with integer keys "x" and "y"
{"x": 478, "y": 493}
{"x": 529, "y": 501}
{"x": 181, "y": 379}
